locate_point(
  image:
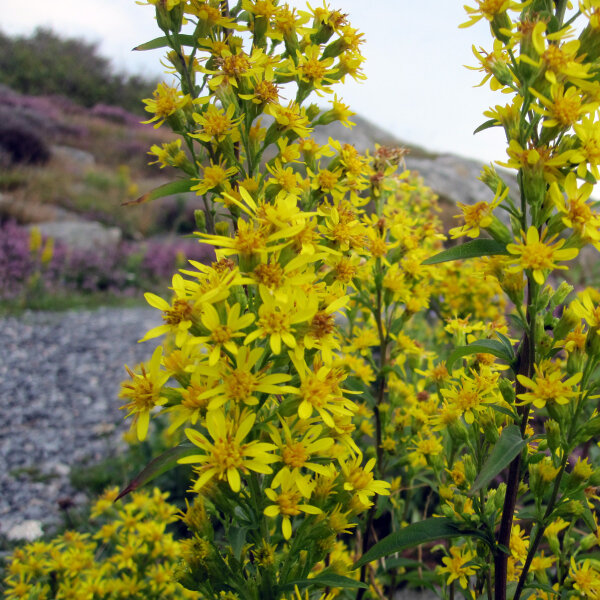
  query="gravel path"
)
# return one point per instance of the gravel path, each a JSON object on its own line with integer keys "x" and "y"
{"x": 59, "y": 380}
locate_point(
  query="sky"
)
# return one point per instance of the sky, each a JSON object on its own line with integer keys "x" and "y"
{"x": 417, "y": 86}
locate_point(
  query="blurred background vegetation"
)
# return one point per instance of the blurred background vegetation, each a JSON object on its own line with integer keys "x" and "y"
{"x": 46, "y": 64}
{"x": 73, "y": 152}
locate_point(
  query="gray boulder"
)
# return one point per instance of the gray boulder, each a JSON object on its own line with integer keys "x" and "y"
{"x": 81, "y": 235}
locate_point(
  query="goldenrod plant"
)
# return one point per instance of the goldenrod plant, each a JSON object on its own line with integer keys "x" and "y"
{"x": 131, "y": 555}
{"x": 363, "y": 409}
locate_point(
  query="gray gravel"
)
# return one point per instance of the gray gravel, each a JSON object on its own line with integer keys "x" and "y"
{"x": 59, "y": 381}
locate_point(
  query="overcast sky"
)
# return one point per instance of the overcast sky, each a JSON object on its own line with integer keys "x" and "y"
{"x": 417, "y": 86}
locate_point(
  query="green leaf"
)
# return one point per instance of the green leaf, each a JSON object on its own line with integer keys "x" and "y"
{"x": 163, "y": 42}
{"x": 508, "y": 446}
{"x": 396, "y": 563}
{"x": 487, "y": 125}
{"x": 325, "y": 579}
{"x": 506, "y": 343}
{"x": 429, "y": 530}
{"x": 161, "y": 464}
{"x": 473, "y": 249}
{"x": 168, "y": 189}
{"x": 480, "y": 346}
{"x": 505, "y": 411}
{"x": 237, "y": 538}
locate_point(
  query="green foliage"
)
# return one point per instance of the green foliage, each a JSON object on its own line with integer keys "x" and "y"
{"x": 46, "y": 64}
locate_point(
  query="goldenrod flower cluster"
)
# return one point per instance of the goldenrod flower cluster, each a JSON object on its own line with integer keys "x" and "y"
{"x": 131, "y": 555}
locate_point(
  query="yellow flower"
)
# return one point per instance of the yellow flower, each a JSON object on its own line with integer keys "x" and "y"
{"x": 360, "y": 481}
{"x": 578, "y": 215}
{"x": 144, "y": 392}
{"x": 216, "y": 124}
{"x": 585, "y": 577}
{"x": 287, "y": 503}
{"x": 194, "y": 402}
{"x": 166, "y": 101}
{"x": 518, "y": 543}
{"x": 276, "y": 318}
{"x": 583, "y": 307}
{"x": 559, "y": 61}
{"x": 264, "y": 91}
{"x": 290, "y": 118}
{"x": 168, "y": 154}
{"x": 469, "y": 397}
{"x": 547, "y": 386}
{"x": 477, "y": 216}
{"x": 538, "y": 257}
{"x": 228, "y": 454}
{"x": 489, "y": 9}
{"x": 588, "y": 154}
{"x": 313, "y": 70}
{"x": 286, "y": 181}
{"x": 456, "y": 566}
{"x": 564, "y": 108}
{"x": 222, "y": 335}
{"x": 241, "y": 383}
{"x": 495, "y": 66}
{"x": 296, "y": 454}
{"x": 178, "y": 316}
{"x": 555, "y": 527}
{"x": 320, "y": 391}
{"x": 214, "y": 177}
{"x": 231, "y": 68}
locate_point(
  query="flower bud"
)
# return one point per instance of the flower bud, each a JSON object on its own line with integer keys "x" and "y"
{"x": 560, "y": 295}
{"x": 200, "y": 218}
{"x": 567, "y": 322}
{"x": 580, "y": 474}
{"x": 458, "y": 432}
{"x": 544, "y": 297}
{"x": 470, "y": 469}
{"x": 554, "y": 544}
{"x": 499, "y": 497}
{"x": 490, "y": 503}
{"x": 169, "y": 19}
{"x": 312, "y": 112}
{"x": 541, "y": 475}
{"x": 552, "y": 434}
{"x": 587, "y": 542}
{"x": 222, "y": 228}
{"x": 507, "y": 390}
{"x": 488, "y": 423}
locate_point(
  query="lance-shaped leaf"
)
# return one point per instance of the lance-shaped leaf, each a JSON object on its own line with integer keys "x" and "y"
{"x": 168, "y": 189}
{"x": 163, "y": 42}
{"x": 480, "y": 347}
{"x": 161, "y": 464}
{"x": 509, "y": 445}
{"x": 325, "y": 579}
{"x": 473, "y": 249}
{"x": 429, "y": 530}
{"x": 506, "y": 343}
{"x": 487, "y": 125}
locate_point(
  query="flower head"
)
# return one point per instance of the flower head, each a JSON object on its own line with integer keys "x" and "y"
{"x": 228, "y": 454}
{"x": 539, "y": 257}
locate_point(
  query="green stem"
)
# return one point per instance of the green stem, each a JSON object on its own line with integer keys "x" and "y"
{"x": 561, "y": 6}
